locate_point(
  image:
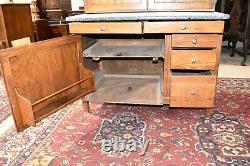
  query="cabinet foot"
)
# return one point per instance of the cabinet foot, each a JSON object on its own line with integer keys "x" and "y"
{"x": 86, "y": 105}
{"x": 208, "y": 113}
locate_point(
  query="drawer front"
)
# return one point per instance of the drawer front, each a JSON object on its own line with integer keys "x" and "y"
{"x": 184, "y": 27}
{"x": 106, "y": 28}
{"x": 192, "y": 91}
{"x": 193, "y": 59}
{"x": 194, "y": 40}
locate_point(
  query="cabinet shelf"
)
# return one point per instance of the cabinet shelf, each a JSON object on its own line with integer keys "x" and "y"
{"x": 132, "y": 89}
{"x": 126, "y": 48}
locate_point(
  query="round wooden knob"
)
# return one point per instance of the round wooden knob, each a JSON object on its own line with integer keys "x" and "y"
{"x": 193, "y": 93}
{"x": 194, "y": 41}
{"x": 183, "y": 27}
{"x": 194, "y": 61}
{"x": 103, "y": 28}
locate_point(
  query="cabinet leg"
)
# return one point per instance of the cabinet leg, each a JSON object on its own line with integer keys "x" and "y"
{"x": 208, "y": 113}
{"x": 85, "y": 105}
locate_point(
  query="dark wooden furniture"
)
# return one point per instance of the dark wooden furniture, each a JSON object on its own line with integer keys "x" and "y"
{"x": 55, "y": 10}
{"x": 99, "y": 6}
{"x": 15, "y": 22}
{"x": 238, "y": 27}
{"x": 44, "y": 31}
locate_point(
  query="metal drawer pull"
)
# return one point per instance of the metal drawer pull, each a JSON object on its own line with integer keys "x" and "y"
{"x": 103, "y": 28}
{"x": 183, "y": 27}
{"x": 193, "y": 93}
{"x": 194, "y": 41}
{"x": 194, "y": 61}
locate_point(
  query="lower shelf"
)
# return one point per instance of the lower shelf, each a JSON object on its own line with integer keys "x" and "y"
{"x": 132, "y": 89}
{"x": 58, "y": 104}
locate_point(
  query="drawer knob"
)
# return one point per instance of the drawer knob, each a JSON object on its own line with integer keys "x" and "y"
{"x": 193, "y": 93}
{"x": 103, "y": 28}
{"x": 194, "y": 41}
{"x": 183, "y": 27}
{"x": 194, "y": 61}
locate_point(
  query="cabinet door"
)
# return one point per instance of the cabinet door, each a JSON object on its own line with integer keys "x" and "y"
{"x": 182, "y": 5}
{"x": 98, "y": 6}
{"x": 42, "y": 78}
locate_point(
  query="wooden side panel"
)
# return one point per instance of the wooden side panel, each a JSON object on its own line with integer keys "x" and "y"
{"x": 106, "y": 28}
{"x": 26, "y": 111}
{"x": 43, "y": 77}
{"x": 193, "y": 59}
{"x": 100, "y": 6}
{"x": 192, "y": 91}
{"x": 166, "y": 71}
{"x": 184, "y": 27}
{"x": 182, "y": 5}
{"x": 218, "y": 53}
{"x": 194, "y": 40}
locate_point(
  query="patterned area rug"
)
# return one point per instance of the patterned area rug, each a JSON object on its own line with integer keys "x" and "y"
{"x": 177, "y": 136}
{"x": 4, "y": 103}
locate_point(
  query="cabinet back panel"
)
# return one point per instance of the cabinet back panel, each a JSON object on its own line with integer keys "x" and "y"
{"x": 132, "y": 66}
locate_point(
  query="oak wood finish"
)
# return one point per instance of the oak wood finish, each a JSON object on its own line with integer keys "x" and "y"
{"x": 166, "y": 69}
{"x": 194, "y": 40}
{"x": 15, "y": 23}
{"x": 195, "y": 91}
{"x": 194, "y": 59}
{"x": 184, "y": 27}
{"x": 41, "y": 78}
{"x": 102, "y": 6}
{"x": 128, "y": 89}
{"x": 182, "y": 5}
{"x": 106, "y": 28}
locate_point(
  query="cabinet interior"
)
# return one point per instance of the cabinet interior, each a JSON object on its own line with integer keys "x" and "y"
{"x": 126, "y": 70}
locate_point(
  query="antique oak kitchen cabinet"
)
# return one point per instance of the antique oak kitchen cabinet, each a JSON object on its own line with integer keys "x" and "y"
{"x": 149, "y": 58}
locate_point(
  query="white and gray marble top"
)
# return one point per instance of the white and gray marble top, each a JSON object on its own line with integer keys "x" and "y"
{"x": 148, "y": 16}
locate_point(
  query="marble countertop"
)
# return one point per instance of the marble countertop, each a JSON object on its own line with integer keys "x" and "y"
{"x": 148, "y": 16}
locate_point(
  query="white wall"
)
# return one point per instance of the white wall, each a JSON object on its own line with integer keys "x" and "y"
{"x": 16, "y": 1}
{"x": 75, "y": 4}
{"x": 3, "y": 1}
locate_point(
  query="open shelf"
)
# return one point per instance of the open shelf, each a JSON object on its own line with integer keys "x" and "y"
{"x": 58, "y": 104}
{"x": 132, "y": 89}
{"x": 117, "y": 48}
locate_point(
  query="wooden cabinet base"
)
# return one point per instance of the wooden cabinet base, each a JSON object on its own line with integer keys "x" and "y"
{"x": 174, "y": 68}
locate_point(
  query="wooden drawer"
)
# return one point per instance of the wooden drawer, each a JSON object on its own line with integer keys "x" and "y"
{"x": 106, "y": 28}
{"x": 194, "y": 40}
{"x": 184, "y": 27}
{"x": 195, "y": 91}
{"x": 193, "y": 59}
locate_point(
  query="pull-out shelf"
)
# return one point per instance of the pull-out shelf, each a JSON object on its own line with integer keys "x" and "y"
{"x": 126, "y": 48}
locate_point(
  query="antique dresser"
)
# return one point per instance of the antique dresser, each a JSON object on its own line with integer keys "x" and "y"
{"x": 150, "y": 52}
{"x": 15, "y": 23}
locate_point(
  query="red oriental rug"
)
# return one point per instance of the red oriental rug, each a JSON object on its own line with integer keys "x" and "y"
{"x": 177, "y": 136}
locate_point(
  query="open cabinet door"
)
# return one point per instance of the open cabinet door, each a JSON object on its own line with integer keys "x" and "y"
{"x": 42, "y": 78}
